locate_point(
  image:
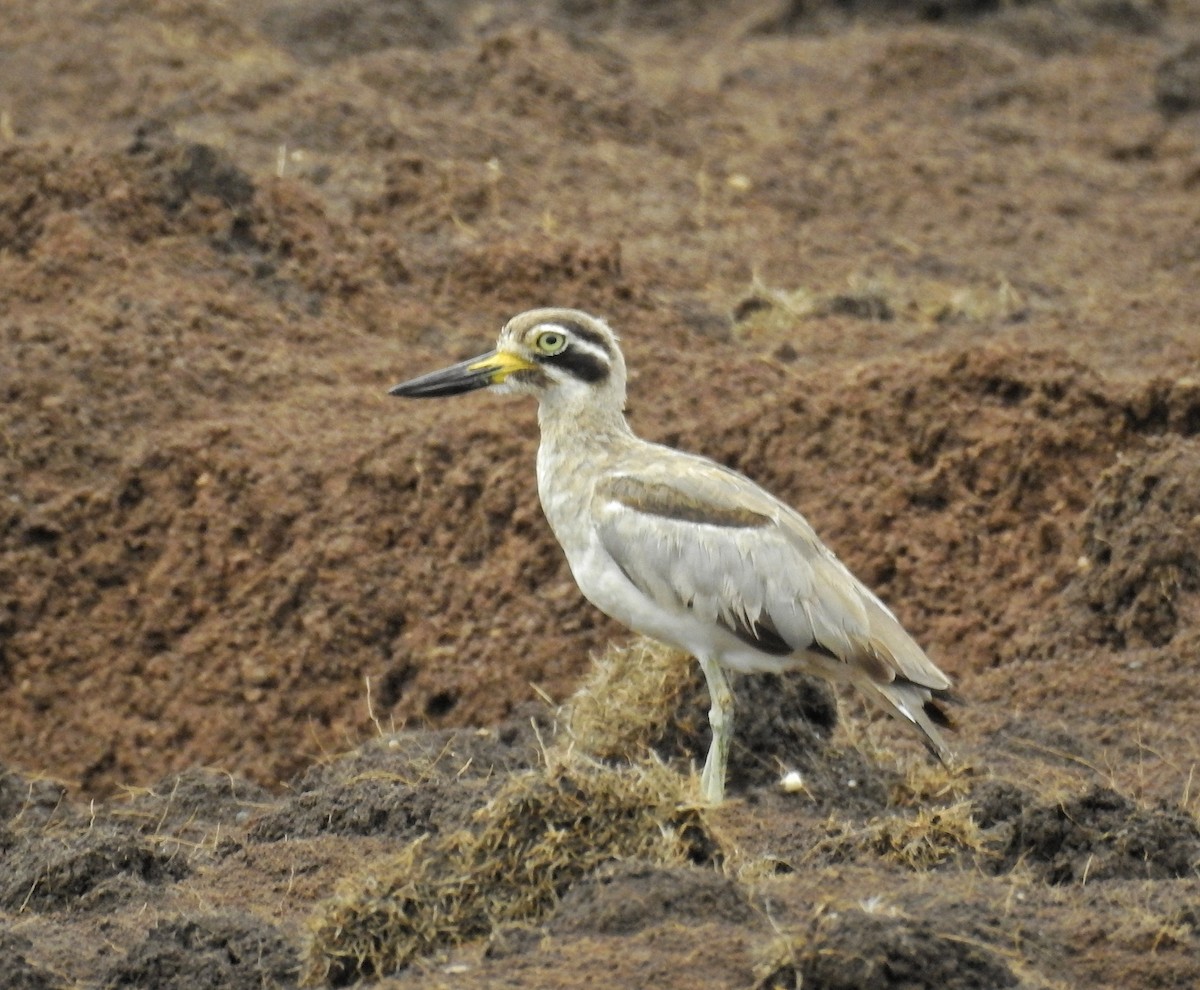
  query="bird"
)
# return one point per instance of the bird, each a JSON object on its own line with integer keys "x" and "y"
{"x": 684, "y": 550}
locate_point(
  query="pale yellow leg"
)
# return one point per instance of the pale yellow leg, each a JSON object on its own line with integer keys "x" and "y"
{"x": 720, "y": 721}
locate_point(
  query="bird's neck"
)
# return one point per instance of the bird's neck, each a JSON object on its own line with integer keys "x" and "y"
{"x": 581, "y": 424}
{"x": 579, "y": 440}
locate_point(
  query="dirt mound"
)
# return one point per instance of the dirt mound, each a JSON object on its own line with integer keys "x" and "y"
{"x": 629, "y": 897}
{"x": 48, "y": 872}
{"x": 1140, "y": 540}
{"x": 228, "y": 951}
{"x": 1102, "y": 835}
{"x": 854, "y": 950}
{"x": 405, "y": 786}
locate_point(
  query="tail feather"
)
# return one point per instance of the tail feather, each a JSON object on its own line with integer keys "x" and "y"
{"x": 919, "y": 706}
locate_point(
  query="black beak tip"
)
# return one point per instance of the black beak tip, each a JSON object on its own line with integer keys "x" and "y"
{"x": 466, "y": 376}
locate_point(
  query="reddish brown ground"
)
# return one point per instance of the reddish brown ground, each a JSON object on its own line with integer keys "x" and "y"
{"x": 929, "y": 272}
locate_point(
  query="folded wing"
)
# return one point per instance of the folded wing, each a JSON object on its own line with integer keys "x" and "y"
{"x": 688, "y": 532}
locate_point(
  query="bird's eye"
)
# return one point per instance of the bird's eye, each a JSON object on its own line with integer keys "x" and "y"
{"x": 550, "y": 341}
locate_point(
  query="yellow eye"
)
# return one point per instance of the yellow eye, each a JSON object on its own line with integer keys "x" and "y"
{"x": 550, "y": 341}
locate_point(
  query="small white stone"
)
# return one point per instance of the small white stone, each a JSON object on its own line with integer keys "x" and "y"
{"x": 792, "y": 782}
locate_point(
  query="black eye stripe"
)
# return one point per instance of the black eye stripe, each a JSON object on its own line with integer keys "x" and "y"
{"x": 584, "y": 366}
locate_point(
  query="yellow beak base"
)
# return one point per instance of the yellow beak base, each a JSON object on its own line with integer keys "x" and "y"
{"x": 501, "y": 364}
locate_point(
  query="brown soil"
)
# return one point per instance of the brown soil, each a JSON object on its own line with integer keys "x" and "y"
{"x": 927, "y": 271}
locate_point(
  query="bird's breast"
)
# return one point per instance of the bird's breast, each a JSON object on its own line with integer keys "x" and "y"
{"x": 565, "y": 489}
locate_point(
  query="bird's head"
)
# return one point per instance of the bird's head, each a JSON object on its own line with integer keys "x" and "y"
{"x": 559, "y": 355}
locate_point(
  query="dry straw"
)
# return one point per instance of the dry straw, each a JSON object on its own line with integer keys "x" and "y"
{"x": 638, "y": 697}
{"x": 545, "y": 830}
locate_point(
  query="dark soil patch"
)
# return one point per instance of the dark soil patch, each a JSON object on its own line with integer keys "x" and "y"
{"x": 858, "y": 951}
{"x": 19, "y": 972}
{"x": 89, "y": 869}
{"x": 208, "y": 952}
{"x": 191, "y": 806}
{"x": 1104, "y": 836}
{"x": 785, "y": 723}
{"x": 404, "y": 785}
{"x": 382, "y": 805}
{"x": 631, "y": 897}
{"x": 781, "y": 723}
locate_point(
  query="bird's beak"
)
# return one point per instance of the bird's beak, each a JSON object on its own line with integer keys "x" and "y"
{"x": 480, "y": 372}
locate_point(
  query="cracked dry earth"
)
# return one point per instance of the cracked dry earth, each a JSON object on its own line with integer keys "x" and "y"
{"x": 282, "y": 660}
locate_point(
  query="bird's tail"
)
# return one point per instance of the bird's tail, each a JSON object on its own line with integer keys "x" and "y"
{"x": 919, "y": 706}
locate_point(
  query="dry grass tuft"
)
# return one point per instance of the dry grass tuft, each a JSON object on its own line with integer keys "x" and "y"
{"x": 545, "y": 830}
{"x": 631, "y": 702}
{"x": 927, "y": 782}
{"x": 922, "y": 841}
{"x": 769, "y": 313}
{"x": 928, "y": 839}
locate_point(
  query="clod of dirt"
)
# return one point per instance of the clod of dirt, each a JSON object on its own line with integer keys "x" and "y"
{"x": 632, "y": 896}
{"x": 30, "y": 802}
{"x": 1142, "y": 544}
{"x": 47, "y": 872}
{"x": 1177, "y": 81}
{"x": 854, "y": 950}
{"x": 324, "y": 31}
{"x": 998, "y": 801}
{"x": 544, "y": 831}
{"x": 229, "y": 951}
{"x": 19, "y": 972}
{"x": 1104, "y": 836}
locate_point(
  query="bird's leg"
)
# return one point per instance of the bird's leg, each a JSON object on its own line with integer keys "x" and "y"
{"x": 720, "y": 721}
